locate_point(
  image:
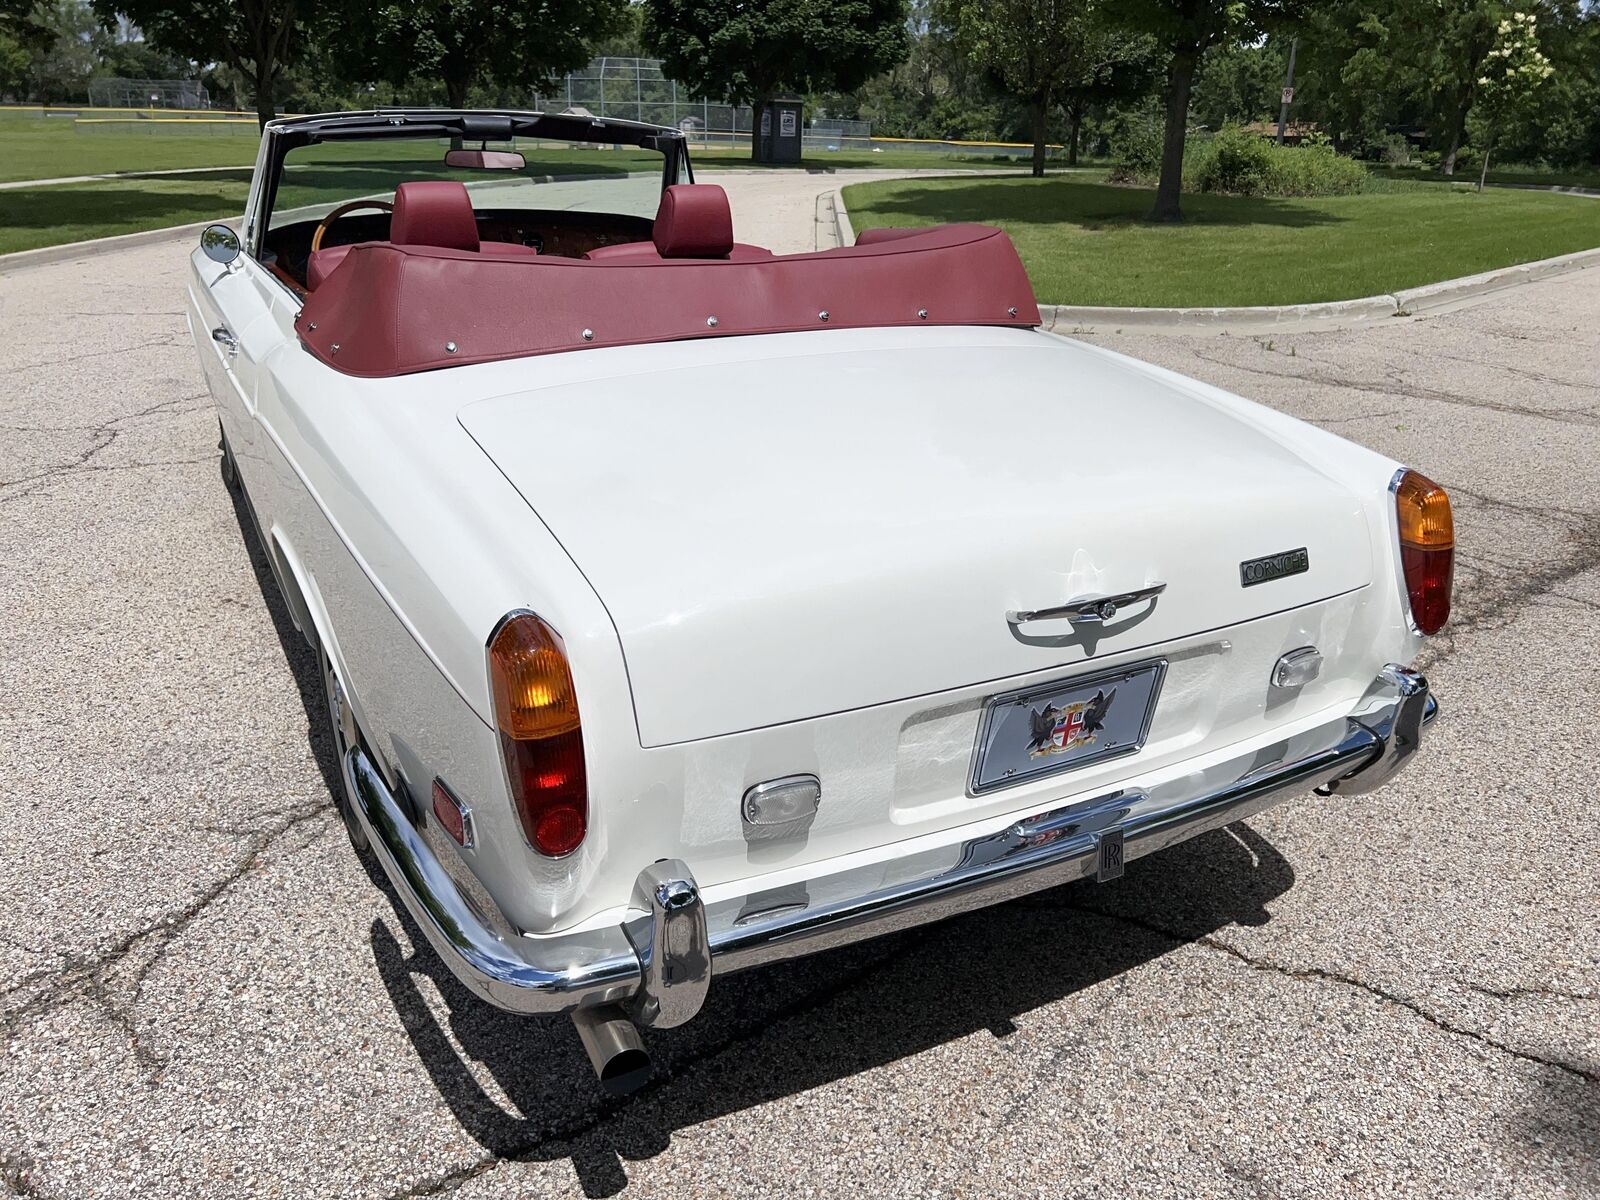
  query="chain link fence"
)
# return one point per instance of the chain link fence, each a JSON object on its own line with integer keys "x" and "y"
{"x": 148, "y": 93}
{"x": 636, "y": 89}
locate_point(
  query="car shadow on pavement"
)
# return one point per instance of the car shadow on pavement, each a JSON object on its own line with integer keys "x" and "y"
{"x": 523, "y": 1088}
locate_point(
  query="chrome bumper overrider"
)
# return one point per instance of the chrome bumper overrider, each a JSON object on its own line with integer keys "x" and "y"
{"x": 659, "y": 963}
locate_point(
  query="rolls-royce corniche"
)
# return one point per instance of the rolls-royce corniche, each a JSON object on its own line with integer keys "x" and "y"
{"x": 684, "y": 606}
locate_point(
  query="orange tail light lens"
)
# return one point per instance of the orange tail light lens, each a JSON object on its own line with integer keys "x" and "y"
{"x": 1427, "y": 548}
{"x": 541, "y": 736}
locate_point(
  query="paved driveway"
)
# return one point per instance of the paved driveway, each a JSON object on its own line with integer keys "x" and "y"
{"x": 205, "y": 993}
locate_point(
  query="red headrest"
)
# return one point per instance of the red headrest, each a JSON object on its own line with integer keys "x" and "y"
{"x": 694, "y": 221}
{"x": 434, "y": 212}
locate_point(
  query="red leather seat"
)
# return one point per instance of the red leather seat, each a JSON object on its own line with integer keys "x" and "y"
{"x": 694, "y": 220}
{"x": 428, "y": 212}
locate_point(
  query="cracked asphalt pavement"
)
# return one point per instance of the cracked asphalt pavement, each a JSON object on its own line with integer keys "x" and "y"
{"x": 204, "y": 992}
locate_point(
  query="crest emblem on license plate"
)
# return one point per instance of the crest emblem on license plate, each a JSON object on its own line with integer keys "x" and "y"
{"x": 1057, "y": 730}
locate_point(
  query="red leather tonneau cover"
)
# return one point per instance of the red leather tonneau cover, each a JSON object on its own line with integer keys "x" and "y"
{"x": 392, "y": 310}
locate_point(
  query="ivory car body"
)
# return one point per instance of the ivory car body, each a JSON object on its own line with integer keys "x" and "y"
{"x": 683, "y": 607}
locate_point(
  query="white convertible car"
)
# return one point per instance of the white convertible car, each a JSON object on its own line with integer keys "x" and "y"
{"x": 684, "y": 607}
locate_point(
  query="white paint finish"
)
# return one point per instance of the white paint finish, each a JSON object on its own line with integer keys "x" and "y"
{"x": 415, "y": 545}
{"x": 849, "y": 529}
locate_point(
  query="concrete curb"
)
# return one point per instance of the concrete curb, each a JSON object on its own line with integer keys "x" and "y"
{"x": 1445, "y": 296}
{"x": 1282, "y": 318}
{"x": 841, "y": 220}
{"x": 1458, "y": 293}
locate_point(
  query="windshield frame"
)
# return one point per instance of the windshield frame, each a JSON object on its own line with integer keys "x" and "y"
{"x": 281, "y": 137}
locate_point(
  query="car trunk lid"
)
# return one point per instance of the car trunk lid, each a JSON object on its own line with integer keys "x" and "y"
{"x": 780, "y": 538}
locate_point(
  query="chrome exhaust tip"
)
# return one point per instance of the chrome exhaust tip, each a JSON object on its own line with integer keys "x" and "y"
{"x": 614, "y": 1048}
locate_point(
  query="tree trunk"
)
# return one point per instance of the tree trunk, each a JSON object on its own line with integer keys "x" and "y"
{"x": 1036, "y": 115}
{"x": 265, "y": 109}
{"x": 455, "y": 90}
{"x": 1483, "y": 175}
{"x": 1074, "y": 130}
{"x": 756, "y": 109}
{"x": 1180, "y": 79}
{"x": 1458, "y": 133}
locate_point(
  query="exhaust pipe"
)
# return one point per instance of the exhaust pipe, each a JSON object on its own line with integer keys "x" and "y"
{"x": 614, "y": 1047}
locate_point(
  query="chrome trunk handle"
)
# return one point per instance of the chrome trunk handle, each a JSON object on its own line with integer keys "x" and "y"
{"x": 1087, "y": 608}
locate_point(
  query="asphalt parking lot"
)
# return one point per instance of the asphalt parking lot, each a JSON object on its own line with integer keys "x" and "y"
{"x": 204, "y": 992}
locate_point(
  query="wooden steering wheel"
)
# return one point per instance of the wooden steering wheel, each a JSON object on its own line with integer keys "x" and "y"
{"x": 322, "y": 225}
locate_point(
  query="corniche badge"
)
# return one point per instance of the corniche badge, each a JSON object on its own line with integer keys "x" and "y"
{"x": 1274, "y": 566}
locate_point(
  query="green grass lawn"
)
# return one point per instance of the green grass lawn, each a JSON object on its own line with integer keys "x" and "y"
{"x": 52, "y": 214}
{"x": 1088, "y": 243}
{"x": 62, "y": 150}
{"x": 34, "y": 147}
{"x": 1518, "y": 176}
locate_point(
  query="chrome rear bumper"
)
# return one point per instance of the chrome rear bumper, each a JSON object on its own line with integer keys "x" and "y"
{"x": 659, "y": 963}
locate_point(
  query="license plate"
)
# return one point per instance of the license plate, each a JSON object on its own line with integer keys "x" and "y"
{"x": 1065, "y": 725}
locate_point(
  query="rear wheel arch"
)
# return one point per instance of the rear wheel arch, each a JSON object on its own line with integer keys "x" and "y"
{"x": 304, "y": 601}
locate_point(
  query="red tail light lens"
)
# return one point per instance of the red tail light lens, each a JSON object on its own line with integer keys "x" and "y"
{"x": 541, "y": 736}
{"x": 1427, "y": 548}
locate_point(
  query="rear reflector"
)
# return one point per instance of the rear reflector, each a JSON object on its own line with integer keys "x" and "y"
{"x": 1427, "y": 548}
{"x": 541, "y": 737}
{"x": 454, "y": 817}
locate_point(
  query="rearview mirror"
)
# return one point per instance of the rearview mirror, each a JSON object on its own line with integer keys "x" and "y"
{"x": 485, "y": 160}
{"x": 220, "y": 244}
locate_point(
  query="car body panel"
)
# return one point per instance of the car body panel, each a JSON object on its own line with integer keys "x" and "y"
{"x": 402, "y": 543}
{"x": 853, "y": 529}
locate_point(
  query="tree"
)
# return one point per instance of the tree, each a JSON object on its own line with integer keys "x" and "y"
{"x": 1514, "y": 74}
{"x": 62, "y": 65}
{"x": 510, "y": 44}
{"x": 1121, "y": 69}
{"x": 1186, "y": 29}
{"x": 1239, "y": 82}
{"x": 1045, "y": 52}
{"x": 257, "y": 38}
{"x": 23, "y": 36}
{"x": 747, "y": 51}
{"x": 1435, "y": 49}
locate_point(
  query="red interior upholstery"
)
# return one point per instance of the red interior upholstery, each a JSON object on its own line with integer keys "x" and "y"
{"x": 323, "y": 263}
{"x": 693, "y": 220}
{"x": 392, "y": 309}
{"x": 426, "y": 213}
{"x": 874, "y": 237}
{"x": 433, "y": 212}
{"x": 647, "y": 252}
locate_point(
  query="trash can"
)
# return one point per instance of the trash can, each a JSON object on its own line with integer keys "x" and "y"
{"x": 778, "y": 136}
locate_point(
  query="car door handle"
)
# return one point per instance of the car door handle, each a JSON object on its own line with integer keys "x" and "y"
{"x": 1087, "y": 608}
{"x": 226, "y": 340}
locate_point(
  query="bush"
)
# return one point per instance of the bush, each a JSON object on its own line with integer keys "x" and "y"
{"x": 1239, "y": 163}
{"x": 1136, "y": 151}
{"x": 1234, "y": 162}
{"x": 1396, "y": 151}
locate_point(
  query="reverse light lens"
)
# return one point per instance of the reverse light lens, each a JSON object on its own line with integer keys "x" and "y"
{"x": 541, "y": 736}
{"x": 1427, "y": 548}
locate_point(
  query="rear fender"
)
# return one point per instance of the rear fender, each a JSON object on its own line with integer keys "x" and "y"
{"x": 310, "y": 615}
